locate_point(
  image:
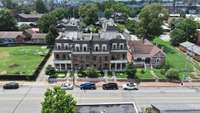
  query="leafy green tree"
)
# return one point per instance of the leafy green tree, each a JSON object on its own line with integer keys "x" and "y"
{"x": 51, "y": 18}
{"x": 89, "y": 13}
{"x": 57, "y": 101}
{"x": 131, "y": 25}
{"x": 177, "y": 36}
{"x": 131, "y": 71}
{"x": 151, "y": 19}
{"x": 7, "y": 22}
{"x": 172, "y": 74}
{"x": 50, "y": 71}
{"x": 108, "y": 13}
{"x": 40, "y": 6}
{"x": 51, "y": 36}
{"x": 185, "y": 30}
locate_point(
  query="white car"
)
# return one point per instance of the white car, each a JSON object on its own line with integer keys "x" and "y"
{"x": 130, "y": 86}
{"x": 67, "y": 86}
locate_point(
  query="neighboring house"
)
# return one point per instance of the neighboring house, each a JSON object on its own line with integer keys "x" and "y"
{"x": 191, "y": 49}
{"x": 119, "y": 17}
{"x": 144, "y": 53}
{"x": 175, "y": 108}
{"x": 75, "y": 50}
{"x": 28, "y": 17}
{"x": 107, "y": 108}
{"x": 26, "y": 36}
{"x": 9, "y": 36}
{"x": 65, "y": 23}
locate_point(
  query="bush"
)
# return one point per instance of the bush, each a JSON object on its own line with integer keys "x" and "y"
{"x": 142, "y": 71}
{"x": 172, "y": 74}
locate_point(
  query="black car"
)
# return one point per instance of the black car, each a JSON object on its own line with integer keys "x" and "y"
{"x": 11, "y": 85}
{"x": 110, "y": 86}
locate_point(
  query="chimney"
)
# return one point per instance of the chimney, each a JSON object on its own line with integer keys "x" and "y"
{"x": 198, "y": 37}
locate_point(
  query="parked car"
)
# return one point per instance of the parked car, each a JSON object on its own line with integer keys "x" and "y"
{"x": 87, "y": 86}
{"x": 11, "y": 85}
{"x": 110, "y": 86}
{"x": 130, "y": 86}
{"x": 51, "y": 79}
{"x": 67, "y": 86}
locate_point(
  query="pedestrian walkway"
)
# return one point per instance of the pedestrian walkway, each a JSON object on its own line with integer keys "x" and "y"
{"x": 42, "y": 76}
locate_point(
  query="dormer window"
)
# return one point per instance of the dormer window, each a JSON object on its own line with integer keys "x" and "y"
{"x": 114, "y": 46}
{"x": 121, "y": 45}
{"x": 84, "y": 47}
{"x": 104, "y": 47}
{"x": 96, "y": 47}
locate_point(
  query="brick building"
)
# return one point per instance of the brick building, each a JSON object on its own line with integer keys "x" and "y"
{"x": 106, "y": 50}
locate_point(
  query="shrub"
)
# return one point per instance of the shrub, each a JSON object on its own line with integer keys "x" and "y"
{"x": 172, "y": 74}
{"x": 142, "y": 71}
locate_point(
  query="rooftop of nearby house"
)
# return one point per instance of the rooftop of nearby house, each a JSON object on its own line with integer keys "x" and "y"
{"x": 177, "y": 108}
{"x": 9, "y": 34}
{"x": 107, "y": 108}
{"x": 14, "y": 34}
{"x": 143, "y": 48}
{"x": 191, "y": 47}
{"x": 30, "y": 15}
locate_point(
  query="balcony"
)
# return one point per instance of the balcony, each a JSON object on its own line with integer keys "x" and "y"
{"x": 62, "y": 61}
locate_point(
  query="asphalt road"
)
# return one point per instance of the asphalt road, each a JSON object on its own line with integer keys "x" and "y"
{"x": 28, "y": 99}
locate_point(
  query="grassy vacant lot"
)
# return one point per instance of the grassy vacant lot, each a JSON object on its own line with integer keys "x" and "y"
{"x": 21, "y": 59}
{"x": 173, "y": 57}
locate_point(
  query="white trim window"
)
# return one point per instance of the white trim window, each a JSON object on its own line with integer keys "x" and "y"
{"x": 85, "y": 47}
{"x": 66, "y": 46}
{"x": 114, "y": 46}
{"x": 104, "y": 47}
{"x": 58, "y": 46}
{"x": 121, "y": 45}
{"x": 77, "y": 47}
{"x": 96, "y": 47}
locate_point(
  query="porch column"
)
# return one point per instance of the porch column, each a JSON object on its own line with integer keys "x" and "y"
{"x": 115, "y": 66}
{"x": 121, "y": 67}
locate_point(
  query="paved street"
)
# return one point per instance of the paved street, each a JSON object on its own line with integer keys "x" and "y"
{"x": 28, "y": 99}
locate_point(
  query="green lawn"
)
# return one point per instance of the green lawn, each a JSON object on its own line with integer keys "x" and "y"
{"x": 173, "y": 57}
{"x": 21, "y": 59}
{"x": 145, "y": 75}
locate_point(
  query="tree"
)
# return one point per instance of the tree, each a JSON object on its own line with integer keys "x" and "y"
{"x": 131, "y": 71}
{"x": 177, "y": 36}
{"x": 172, "y": 74}
{"x": 151, "y": 19}
{"x": 51, "y": 18}
{"x": 89, "y": 13}
{"x": 57, "y": 101}
{"x": 50, "y": 71}
{"x": 131, "y": 25}
{"x": 108, "y": 13}
{"x": 7, "y": 22}
{"x": 51, "y": 36}
{"x": 185, "y": 30}
{"x": 40, "y": 6}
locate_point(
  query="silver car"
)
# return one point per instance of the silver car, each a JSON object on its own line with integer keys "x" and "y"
{"x": 67, "y": 86}
{"x": 130, "y": 86}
